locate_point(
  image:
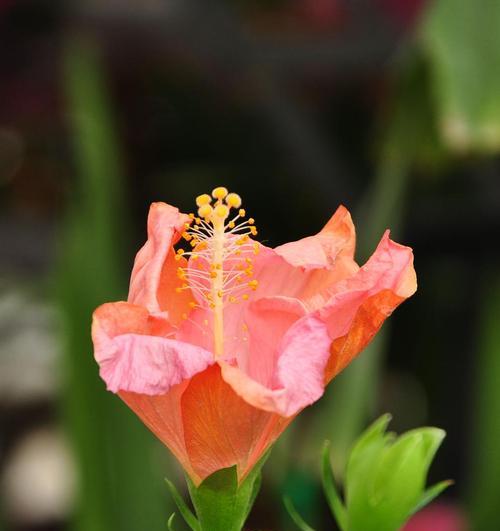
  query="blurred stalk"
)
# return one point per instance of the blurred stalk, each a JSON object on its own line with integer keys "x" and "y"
{"x": 118, "y": 489}
{"x": 351, "y": 398}
{"x": 408, "y": 137}
{"x": 484, "y": 485}
{"x": 353, "y": 395}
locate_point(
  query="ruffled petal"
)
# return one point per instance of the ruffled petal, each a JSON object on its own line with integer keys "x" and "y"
{"x": 132, "y": 360}
{"x": 319, "y": 345}
{"x": 221, "y": 429}
{"x": 266, "y": 322}
{"x": 153, "y": 279}
{"x": 307, "y": 268}
{"x": 336, "y": 239}
{"x": 359, "y": 306}
{"x": 298, "y": 378}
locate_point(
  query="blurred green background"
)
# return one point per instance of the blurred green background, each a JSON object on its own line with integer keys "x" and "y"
{"x": 390, "y": 107}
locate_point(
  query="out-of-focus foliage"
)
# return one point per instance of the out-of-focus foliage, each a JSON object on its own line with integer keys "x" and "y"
{"x": 118, "y": 490}
{"x": 408, "y": 137}
{"x": 446, "y": 96}
{"x": 462, "y": 42}
{"x": 484, "y": 484}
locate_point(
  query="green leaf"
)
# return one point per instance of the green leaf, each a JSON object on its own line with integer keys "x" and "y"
{"x": 331, "y": 494}
{"x": 361, "y": 464}
{"x": 430, "y": 494}
{"x": 295, "y": 516}
{"x": 372, "y": 435}
{"x": 398, "y": 481}
{"x": 188, "y": 516}
{"x": 386, "y": 476}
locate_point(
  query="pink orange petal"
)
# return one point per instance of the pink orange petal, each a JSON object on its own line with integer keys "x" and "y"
{"x": 337, "y": 238}
{"x": 221, "y": 429}
{"x": 360, "y": 305}
{"x": 298, "y": 376}
{"x": 153, "y": 276}
{"x": 132, "y": 360}
{"x": 307, "y": 268}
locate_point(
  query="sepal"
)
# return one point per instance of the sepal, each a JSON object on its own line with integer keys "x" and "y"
{"x": 220, "y": 502}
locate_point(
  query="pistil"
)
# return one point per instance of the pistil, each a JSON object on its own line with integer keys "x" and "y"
{"x": 217, "y": 241}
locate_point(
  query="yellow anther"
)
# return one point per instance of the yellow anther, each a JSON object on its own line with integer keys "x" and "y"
{"x": 241, "y": 212}
{"x": 221, "y": 211}
{"x": 231, "y": 225}
{"x": 245, "y": 298}
{"x": 178, "y": 290}
{"x": 187, "y": 236}
{"x": 191, "y": 215}
{"x": 233, "y": 299}
{"x": 253, "y": 284}
{"x": 197, "y": 221}
{"x": 213, "y": 274}
{"x": 178, "y": 257}
{"x": 242, "y": 240}
{"x": 253, "y": 230}
{"x": 248, "y": 260}
{"x": 237, "y": 252}
{"x": 203, "y": 199}
{"x": 180, "y": 251}
{"x": 205, "y": 211}
{"x": 218, "y": 266}
{"x": 256, "y": 248}
{"x": 251, "y": 221}
{"x": 212, "y": 305}
{"x": 187, "y": 225}
{"x": 194, "y": 257}
{"x": 233, "y": 200}
{"x": 249, "y": 271}
{"x": 219, "y": 294}
{"x": 220, "y": 192}
{"x": 192, "y": 304}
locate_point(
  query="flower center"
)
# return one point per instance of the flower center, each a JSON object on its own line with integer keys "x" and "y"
{"x": 220, "y": 267}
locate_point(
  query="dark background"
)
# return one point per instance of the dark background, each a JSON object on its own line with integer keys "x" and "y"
{"x": 389, "y": 107}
